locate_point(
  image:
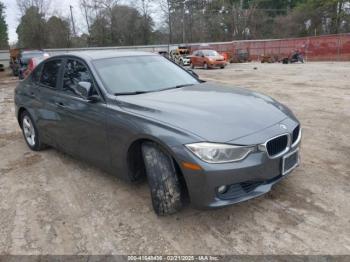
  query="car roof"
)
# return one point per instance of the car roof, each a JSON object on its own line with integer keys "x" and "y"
{"x": 32, "y": 52}
{"x": 206, "y": 50}
{"x": 96, "y": 55}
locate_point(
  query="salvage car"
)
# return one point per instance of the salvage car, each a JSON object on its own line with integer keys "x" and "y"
{"x": 207, "y": 59}
{"x": 181, "y": 56}
{"x": 138, "y": 115}
{"x": 28, "y": 60}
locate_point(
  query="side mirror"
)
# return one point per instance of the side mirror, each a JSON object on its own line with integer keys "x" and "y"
{"x": 93, "y": 99}
{"x": 84, "y": 89}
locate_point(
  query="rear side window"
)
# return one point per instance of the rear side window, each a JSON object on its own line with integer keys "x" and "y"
{"x": 50, "y": 73}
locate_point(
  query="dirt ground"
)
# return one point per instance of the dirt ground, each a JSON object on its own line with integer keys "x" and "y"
{"x": 53, "y": 204}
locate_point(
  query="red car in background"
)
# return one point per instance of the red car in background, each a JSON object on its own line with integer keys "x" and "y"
{"x": 207, "y": 59}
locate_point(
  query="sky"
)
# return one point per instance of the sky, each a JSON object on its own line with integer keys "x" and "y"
{"x": 59, "y": 7}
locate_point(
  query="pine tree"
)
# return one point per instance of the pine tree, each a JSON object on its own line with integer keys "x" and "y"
{"x": 3, "y": 28}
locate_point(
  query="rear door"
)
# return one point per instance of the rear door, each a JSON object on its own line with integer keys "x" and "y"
{"x": 46, "y": 85}
{"x": 83, "y": 122}
{"x": 193, "y": 57}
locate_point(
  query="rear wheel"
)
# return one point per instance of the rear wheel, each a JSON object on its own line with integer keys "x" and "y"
{"x": 162, "y": 178}
{"x": 30, "y": 132}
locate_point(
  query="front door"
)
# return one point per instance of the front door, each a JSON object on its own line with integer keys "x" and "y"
{"x": 199, "y": 58}
{"x": 83, "y": 121}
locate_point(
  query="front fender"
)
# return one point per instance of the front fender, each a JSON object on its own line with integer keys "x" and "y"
{"x": 124, "y": 129}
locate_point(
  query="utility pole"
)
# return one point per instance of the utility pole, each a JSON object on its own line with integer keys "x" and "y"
{"x": 183, "y": 22}
{"x": 85, "y": 6}
{"x": 289, "y": 6}
{"x": 71, "y": 15}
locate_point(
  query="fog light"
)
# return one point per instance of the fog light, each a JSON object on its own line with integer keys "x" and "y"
{"x": 222, "y": 189}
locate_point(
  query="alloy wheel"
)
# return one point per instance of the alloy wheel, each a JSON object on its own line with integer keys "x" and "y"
{"x": 29, "y": 131}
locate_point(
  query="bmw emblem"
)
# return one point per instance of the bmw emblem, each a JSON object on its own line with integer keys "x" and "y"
{"x": 283, "y": 126}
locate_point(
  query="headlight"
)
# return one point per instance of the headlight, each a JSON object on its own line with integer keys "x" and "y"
{"x": 220, "y": 153}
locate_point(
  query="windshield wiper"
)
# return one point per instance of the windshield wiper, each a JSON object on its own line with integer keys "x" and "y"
{"x": 175, "y": 87}
{"x": 131, "y": 93}
{"x": 145, "y": 92}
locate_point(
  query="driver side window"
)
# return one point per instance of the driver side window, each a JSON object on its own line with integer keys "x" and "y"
{"x": 75, "y": 72}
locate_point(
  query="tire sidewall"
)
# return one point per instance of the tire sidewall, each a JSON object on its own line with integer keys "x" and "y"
{"x": 156, "y": 181}
{"x": 37, "y": 144}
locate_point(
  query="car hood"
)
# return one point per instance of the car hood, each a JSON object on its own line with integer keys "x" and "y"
{"x": 214, "y": 113}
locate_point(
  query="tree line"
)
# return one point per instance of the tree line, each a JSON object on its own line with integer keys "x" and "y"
{"x": 3, "y": 28}
{"x": 143, "y": 22}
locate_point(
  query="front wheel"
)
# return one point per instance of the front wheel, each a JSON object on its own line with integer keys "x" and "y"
{"x": 162, "y": 178}
{"x": 192, "y": 66}
{"x": 205, "y": 66}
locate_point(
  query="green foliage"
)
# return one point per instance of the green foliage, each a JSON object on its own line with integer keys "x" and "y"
{"x": 110, "y": 23}
{"x": 57, "y": 33}
{"x": 316, "y": 17}
{"x": 34, "y": 32}
{"x": 31, "y": 30}
{"x": 3, "y": 28}
{"x": 121, "y": 25}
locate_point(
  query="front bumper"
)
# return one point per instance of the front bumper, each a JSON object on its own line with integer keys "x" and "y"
{"x": 247, "y": 179}
{"x": 217, "y": 64}
{"x": 186, "y": 62}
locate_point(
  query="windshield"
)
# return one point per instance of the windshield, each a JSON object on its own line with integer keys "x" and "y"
{"x": 141, "y": 74}
{"x": 210, "y": 53}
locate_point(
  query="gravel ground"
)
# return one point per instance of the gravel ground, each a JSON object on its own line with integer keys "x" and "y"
{"x": 51, "y": 203}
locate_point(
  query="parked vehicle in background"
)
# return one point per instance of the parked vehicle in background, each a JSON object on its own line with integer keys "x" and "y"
{"x": 22, "y": 62}
{"x": 185, "y": 61}
{"x": 269, "y": 59}
{"x": 33, "y": 62}
{"x": 240, "y": 56}
{"x": 294, "y": 57}
{"x": 138, "y": 115}
{"x": 181, "y": 56}
{"x": 207, "y": 59}
{"x": 14, "y": 60}
{"x": 164, "y": 53}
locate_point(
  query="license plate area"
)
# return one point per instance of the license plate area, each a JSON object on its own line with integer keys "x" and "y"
{"x": 290, "y": 162}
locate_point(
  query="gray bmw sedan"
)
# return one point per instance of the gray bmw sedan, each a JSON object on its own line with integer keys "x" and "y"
{"x": 138, "y": 115}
